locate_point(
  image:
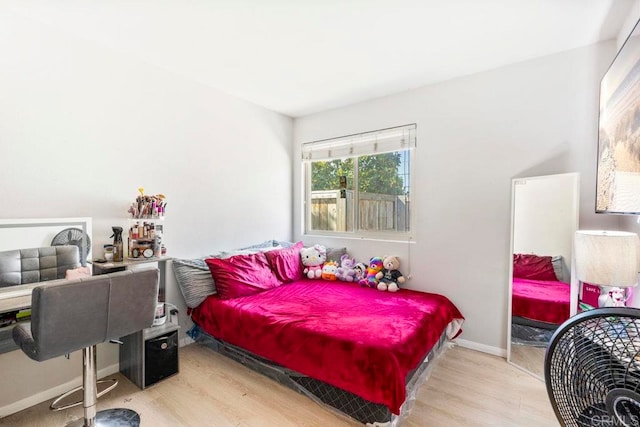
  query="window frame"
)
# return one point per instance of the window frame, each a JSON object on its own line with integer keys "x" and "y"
{"x": 357, "y": 232}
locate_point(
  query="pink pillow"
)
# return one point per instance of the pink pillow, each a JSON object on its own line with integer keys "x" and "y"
{"x": 286, "y": 263}
{"x": 241, "y": 275}
{"x": 533, "y": 267}
{"x": 77, "y": 273}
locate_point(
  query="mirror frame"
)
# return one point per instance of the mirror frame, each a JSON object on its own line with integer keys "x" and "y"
{"x": 573, "y": 283}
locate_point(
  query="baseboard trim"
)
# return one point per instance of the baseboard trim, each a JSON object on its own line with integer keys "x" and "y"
{"x": 53, "y": 392}
{"x": 472, "y": 345}
{"x": 185, "y": 341}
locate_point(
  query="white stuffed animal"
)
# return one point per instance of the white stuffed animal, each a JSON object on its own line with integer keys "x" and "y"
{"x": 615, "y": 297}
{"x": 313, "y": 258}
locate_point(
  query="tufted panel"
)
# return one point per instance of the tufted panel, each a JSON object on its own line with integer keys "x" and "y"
{"x": 23, "y": 266}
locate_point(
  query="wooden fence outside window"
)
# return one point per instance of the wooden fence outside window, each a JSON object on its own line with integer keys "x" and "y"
{"x": 377, "y": 212}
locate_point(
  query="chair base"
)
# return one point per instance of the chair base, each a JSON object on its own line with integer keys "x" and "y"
{"x": 117, "y": 417}
{"x": 57, "y": 406}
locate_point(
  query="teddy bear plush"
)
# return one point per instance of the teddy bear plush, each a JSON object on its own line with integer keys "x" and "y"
{"x": 313, "y": 259}
{"x": 346, "y": 272}
{"x": 375, "y": 266}
{"x": 329, "y": 270}
{"x": 390, "y": 277}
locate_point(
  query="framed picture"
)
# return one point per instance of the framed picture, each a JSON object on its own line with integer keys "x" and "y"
{"x": 618, "y": 178}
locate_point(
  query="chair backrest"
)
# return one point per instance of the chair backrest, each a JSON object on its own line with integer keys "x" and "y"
{"x": 23, "y": 266}
{"x": 69, "y": 316}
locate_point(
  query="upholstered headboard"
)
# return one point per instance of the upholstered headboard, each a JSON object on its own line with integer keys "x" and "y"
{"x": 23, "y": 266}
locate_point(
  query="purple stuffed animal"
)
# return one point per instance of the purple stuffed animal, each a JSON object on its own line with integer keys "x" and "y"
{"x": 346, "y": 271}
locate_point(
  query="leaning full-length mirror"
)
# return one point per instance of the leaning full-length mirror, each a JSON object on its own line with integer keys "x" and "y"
{"x": 544, "y": 220}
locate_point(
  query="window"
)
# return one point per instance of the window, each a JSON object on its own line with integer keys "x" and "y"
{"x": 360, "y": 184}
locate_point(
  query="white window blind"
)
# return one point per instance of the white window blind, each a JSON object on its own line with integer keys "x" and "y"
{"x": 362, "y": 144}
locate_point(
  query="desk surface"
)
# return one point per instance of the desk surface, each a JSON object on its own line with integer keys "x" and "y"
{"x": 17, "y": 297}
{"x": 128, "y": 262}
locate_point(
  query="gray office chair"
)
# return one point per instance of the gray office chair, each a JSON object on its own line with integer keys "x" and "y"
{"x": 79, "y": 314}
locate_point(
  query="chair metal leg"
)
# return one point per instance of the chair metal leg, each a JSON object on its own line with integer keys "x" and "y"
{"x": 118, "y": 417}
{"x": 89, "y": 378}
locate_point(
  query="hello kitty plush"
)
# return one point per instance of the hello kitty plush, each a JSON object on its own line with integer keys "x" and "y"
{"x": 313, "y": 259}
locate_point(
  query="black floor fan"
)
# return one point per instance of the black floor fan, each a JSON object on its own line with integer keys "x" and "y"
{"x": 592, "y": 369}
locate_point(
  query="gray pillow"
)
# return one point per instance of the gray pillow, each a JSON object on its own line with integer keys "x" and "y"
{"x": 283, "y": 243}
{"x": 255, "y": 250}
{"x": 334, "y": 254}
{"x": 194, "y": 280}
{"x": 269, "y": 244}
{"x": 558, "y": 267}
{"x": 194, "y": 277}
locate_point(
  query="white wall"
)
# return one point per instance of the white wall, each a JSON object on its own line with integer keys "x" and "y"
{"x": 475, "y": 134}
{"x": 82, "y": 127}
{"x": 629, "y": 23}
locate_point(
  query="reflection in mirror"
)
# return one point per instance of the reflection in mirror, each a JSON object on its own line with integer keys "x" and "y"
{"x": 544, "y": 220}
{"x": 33, "y": 233}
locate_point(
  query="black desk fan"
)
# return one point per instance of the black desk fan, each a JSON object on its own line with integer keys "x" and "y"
{"x": 592, "y": 369}
{"x": 73, "y": 236}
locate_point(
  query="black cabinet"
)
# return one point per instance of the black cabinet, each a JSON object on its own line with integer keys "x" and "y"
{"x": 161, "y": 358}
{"x": 151, "y": 355}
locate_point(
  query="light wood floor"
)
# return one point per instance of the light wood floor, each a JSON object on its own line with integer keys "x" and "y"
{"x": 529, "y": 357}
{"x": 466, "y": 388}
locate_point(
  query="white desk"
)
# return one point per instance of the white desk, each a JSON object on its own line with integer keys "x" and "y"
{"x": 16, "y": 299}
{"x": 113, "y": 266}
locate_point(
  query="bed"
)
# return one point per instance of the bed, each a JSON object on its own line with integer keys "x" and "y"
{"x": 334, "y": 341}
{"x": 541, "y": 300}
{"x": 539, "y": 297}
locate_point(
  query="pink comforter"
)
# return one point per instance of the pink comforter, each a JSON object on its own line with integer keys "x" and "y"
{"x": 359, "y": 339}
{"x": 541, "y": 300}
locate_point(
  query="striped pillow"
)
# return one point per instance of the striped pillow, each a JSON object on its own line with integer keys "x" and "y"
{"x": 194, "y": 279}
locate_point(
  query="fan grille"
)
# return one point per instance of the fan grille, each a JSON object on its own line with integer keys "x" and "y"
{"x": 592, "y": 369}
{"x": 73, "y": 236}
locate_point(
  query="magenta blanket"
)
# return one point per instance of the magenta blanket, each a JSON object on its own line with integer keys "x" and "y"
{"x": 359, "y": 339}
{"x": 542, "y": 300}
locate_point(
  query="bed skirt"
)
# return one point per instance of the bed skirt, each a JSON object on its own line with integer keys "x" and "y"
{"x": 334, "y": 398}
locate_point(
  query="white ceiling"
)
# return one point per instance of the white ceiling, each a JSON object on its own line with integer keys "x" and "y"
{"x": 298, "y": 57}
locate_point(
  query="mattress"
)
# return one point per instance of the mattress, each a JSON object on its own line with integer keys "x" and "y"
{"x": 356, "y": 339}
{"x": 332, "y": 397}
{"x": 541, "y": 300}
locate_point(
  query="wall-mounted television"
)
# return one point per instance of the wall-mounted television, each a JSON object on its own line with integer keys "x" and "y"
{"x": 618, "y": 178}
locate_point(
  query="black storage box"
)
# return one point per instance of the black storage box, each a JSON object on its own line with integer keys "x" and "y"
{"x": 161, "y": 358}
